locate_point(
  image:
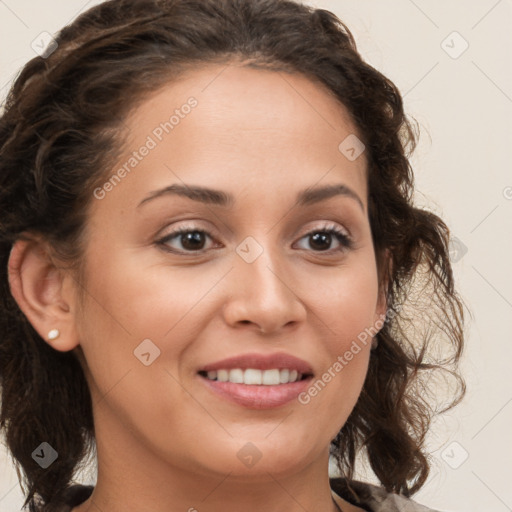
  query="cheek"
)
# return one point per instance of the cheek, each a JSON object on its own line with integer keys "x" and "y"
{"x": 130, "y": 299}
{"x": 136, "y": 299}
{"x": 345, "y": 302}
{"x": 126, "y": 305}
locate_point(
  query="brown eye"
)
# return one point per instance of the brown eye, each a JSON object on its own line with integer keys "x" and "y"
{"x": 187, "y": 240}
{"x": 321, "y": 240}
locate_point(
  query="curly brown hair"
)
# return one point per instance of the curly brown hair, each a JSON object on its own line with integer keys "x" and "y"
{"x": 59, "y": 133}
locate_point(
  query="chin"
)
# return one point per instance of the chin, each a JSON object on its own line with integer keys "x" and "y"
{"x": 256, "y": 459}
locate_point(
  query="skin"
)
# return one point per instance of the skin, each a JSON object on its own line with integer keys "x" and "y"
{"x": 164, "y": 440}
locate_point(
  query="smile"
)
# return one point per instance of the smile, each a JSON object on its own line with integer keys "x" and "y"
{"x": 257, "y": 381}
{"x": 252, "y": 376}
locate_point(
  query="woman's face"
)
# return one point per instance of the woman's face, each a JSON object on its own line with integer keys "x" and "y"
{"x": 271, "y": 268}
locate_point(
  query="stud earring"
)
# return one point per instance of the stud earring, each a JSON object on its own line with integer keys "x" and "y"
{"x": 53, "y": 334}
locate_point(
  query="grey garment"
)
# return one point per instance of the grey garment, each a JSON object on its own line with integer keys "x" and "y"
{"x": 368, "y": 497}
{"x": 375, "y": 499}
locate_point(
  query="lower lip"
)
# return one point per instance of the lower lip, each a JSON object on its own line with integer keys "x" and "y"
{"x": 257, "y": 397}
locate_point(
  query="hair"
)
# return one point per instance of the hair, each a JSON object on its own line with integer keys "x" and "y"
{"x": 60, "y": 130}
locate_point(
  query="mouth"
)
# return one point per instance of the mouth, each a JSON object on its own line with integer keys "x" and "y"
{"x": 257, "y": 381}
{"x": 255, "y": 376}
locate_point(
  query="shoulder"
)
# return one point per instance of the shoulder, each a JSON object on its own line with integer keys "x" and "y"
{"x": 374, "y": 498}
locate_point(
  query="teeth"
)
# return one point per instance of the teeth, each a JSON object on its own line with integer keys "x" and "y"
{"x": 284, "y": 376}
{"x": 223, "y": 375}
{"x": 253, "y": 376}
{"x": 236, "y": 376}
{"x": 270, "y": 377}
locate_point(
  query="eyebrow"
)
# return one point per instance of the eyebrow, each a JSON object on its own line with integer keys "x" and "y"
{"x": 219, "y": 198}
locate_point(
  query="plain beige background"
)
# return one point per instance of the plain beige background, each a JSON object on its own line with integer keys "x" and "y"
{"x": 452, "y": 60}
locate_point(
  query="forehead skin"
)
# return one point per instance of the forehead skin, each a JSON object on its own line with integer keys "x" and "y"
{"x": 263, "y": 127}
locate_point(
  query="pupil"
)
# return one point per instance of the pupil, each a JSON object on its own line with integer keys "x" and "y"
{"x": 321, "y": 238}
{"x": 193, "y": 240}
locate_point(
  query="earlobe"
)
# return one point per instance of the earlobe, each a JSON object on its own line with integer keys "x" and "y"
{"x": 37, "y": 285}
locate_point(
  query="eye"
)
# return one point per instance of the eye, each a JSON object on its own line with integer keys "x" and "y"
{"x": 190, "y": 240}
{"x": 193, "y": 240}
{"x": 321, "y": 239}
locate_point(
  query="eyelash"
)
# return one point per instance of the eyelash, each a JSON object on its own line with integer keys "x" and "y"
{"x": 346, "y": 242}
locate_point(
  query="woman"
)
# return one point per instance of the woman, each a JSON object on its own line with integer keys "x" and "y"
{"x": 213, "y": 274}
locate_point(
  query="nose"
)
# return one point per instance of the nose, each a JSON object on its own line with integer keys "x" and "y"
{"x": 262, "y": 296}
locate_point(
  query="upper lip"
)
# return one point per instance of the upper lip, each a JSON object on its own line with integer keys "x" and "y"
{"x": 261, "y": 362}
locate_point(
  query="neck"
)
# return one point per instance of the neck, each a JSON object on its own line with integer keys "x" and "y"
{"x": 141, "y": 479}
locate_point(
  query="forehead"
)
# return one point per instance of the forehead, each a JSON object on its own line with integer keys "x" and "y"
{"x": 237, "y": 127}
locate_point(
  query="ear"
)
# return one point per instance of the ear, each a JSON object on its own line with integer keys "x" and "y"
{"x": 43, "y": 292}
